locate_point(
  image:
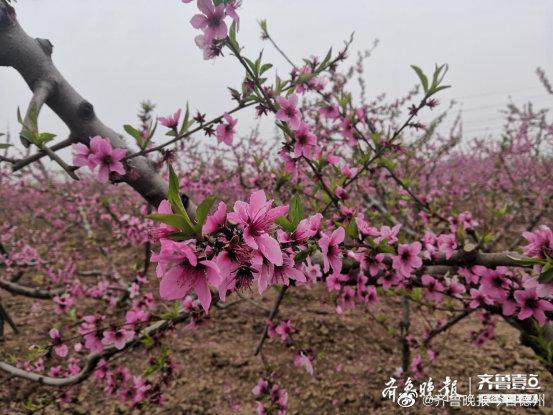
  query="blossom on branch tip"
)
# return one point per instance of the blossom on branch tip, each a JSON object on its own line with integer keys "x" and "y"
{"x": 407, "y": 258}
{"x": 288, "y": 111}
{"x": 434, "y": 288}
{"x": 332, "y": 255}
{"x": 304, "y": 141}
{"x": 256, "y": 218}
{"x": 225, "y": 130}
{"x": 306, "y": 229}
{"x": 478, "y": 298}
{"x": 60, "y": 348}
{"x": 447, "y": 244}
{"x": 107, "y": 158}
{"x": 171, "y": 121}
{"x": 261, "y": 387}
{"x": 162, "y": 230}
{"x": 540, "y": 242}
{"x": 212, "y": 21}
{"x": 302, "y": 360}
{"x": 277, "y": 274}
{"x": 181, "y": 272}
{"x": 330, "y": 111}
{"x": 82, "y": 156}
{"x": 215, "y": 221}
{"x": 387, "y": 234}
{"x": 117, "y": 337}
{"x": 230, "y": 11}
{"x": 531, "y": 305}
{"x": 285, "y": 329}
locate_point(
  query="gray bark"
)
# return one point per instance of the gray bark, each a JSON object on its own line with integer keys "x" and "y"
{"x": 32, "y": 59}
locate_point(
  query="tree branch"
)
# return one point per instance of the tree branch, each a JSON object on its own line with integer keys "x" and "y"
{"x": 93, "y": 359}
{"x": 31, "y": 58}
{"x": 19, "y": 164}
{"x": 4, "y": 316}
{"x": 18, "y": 289}
{"x": 42, "y": 89}
{"x": 272, "y": 315}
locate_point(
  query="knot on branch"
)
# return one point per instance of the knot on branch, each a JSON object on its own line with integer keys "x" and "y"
{"x": 469, "y": 252}
{"x": 7, "y": 14}
{"x": 85, "y": 111}
{"x": 46, "y": 46}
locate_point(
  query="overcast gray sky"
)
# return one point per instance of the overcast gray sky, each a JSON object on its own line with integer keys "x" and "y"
{"x": 117, "y": 53}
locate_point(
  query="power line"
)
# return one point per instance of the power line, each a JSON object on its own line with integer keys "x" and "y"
{"x": 485, "y": 94}
{"x": 502, "y": 105}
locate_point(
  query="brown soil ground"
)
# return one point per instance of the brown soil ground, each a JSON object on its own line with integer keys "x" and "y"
{"x": 217, "y": 369}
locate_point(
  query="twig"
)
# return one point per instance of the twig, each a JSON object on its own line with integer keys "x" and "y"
{"x": 7, "y": 159}
{"x": 41, "y": 92}
{"x": 4, "y": 316}
{"x": 93, "y": 359}
{"x": 188, "y": 133}
{"x": 272, "y": 315}
{"x": 19, "y": 164}
{"x": 252, "y": 302}
{"x": 388, "y": 215}
{"x": 18, "y": 289}
{"x": 404, "y": 330}
{"x": 447, "y": 325}
{"x": 70, "y": 170}
{"x": 147, "y": 251}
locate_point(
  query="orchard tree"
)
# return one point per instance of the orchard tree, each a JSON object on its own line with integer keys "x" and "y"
{"x": 349, "y": 196}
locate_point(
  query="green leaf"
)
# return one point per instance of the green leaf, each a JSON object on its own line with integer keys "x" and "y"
{"x": 44, "y": 138}
{"x": 546, "y": 274}
{"x": 28, "y": 135}
{"x": 258, "y": 63}
{"x": 148, "y": 342}
{"x": 176, "y": 202}
{"x": 387, "y": 163}
{"x": 302, "y": 255}
{"x": 438, "y": 76}
{"x": 295, "y": 212}
{"x": 326, "y": 60}
{"x": 285, "y": 224}
{"x": 72, "y": 314}
{"x": 385, "y": 248}
{"x": 422, "y": 77}
{"x": 232, "y": 37}
{"x": 180, "y": 236}
{"x": 186, "y": 123}
{"x": 172, "y": 312}
{"x": 265, "y": 67}
{"x": 305, "y": 77}
{"x": 263, "y": 25}
{"x": 352, "y": 230}
{"x": 526, "y": 261}
{"x": 134, "y": 133}
{"x": 4, "y": 145}
{"x": 416, "y": 294}
{"x": 152, "y": 132}
{"x": 202, "y": 211}
{"x": 251, "y": 65}
{"x": 33, "y": 118}
{"x": 174, "y": 193}
{"x": 438, "y": 89}
{"x": 171, "y": 219}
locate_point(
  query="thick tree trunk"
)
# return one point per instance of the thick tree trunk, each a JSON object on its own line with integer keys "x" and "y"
{"x": 32, "y": 59}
